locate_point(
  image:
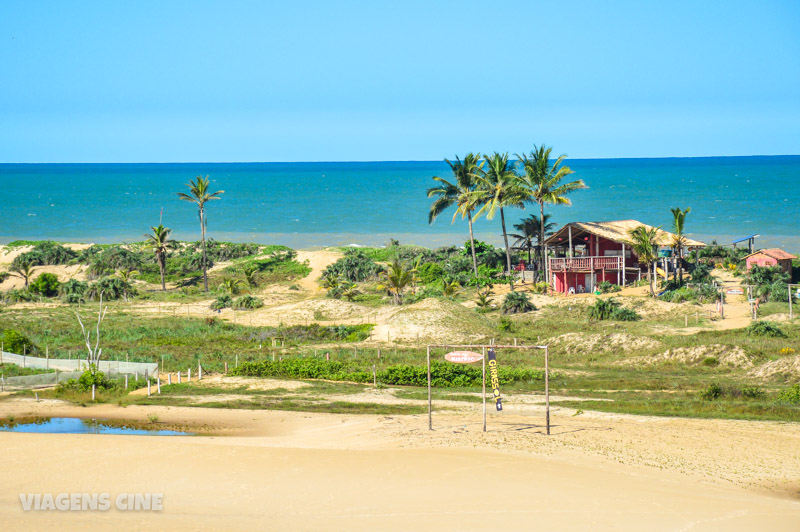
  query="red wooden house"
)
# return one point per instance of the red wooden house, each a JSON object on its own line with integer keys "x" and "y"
{"x": 771, "y": 257}
{"x": 584, "y": 254}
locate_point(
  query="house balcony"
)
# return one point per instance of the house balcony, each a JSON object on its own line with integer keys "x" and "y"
{"x": 586, "y": 264}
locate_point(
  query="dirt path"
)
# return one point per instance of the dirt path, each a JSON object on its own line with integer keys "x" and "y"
{"x": 318, "y": 261}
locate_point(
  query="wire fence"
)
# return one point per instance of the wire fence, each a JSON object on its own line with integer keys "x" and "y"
{"x": 62, "y": 370}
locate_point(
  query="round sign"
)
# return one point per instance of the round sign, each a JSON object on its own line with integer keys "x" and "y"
{"x": 463, "y": 357}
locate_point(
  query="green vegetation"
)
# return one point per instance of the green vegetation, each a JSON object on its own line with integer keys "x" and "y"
{"x": 517, "y": 302}
{"x": 611, "y": 309}
{"x": 765, "y": 328}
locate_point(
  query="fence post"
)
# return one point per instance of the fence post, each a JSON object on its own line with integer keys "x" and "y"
{"x": 2, "y": 382}
{"x": 148, "y": 387}
{"x": 226, "y": 368}
{"x": 126, "y": 381}
{"x": 93, "y": 387}
{"x": 189, "y": 375}
{"x": 169, "y": 378}
{"x": 199, "y": 372}
{"x": 47, "y": 357}
{"x": 179, "y": 377}
{"x": 237, "y": 360}
{"x": 158, "y": 386}
{"x": 374, "y": 377}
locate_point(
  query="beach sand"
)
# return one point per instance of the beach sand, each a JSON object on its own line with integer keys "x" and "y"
{"x": 267, "y": 470}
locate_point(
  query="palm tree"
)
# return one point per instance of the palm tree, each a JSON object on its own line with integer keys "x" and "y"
{"x": 396, "y": 279}
{"x": 500, "y": 184}
{"x": 644, "y": 243}
{"x": 450, "y": 287}
{"x": 462, "y": 192}
{"x": 679, "y": 240}
{"x": 542, "y": 182}
{"x": 232, "y": 286}
{"x": 126, "y": 275}
{"x": 252, "y": 275}
{"x": 529, "y": 229}
{"x": 23, "y": 270}
{"x": 198, "y": 194}
{"x": 159, "y": 241}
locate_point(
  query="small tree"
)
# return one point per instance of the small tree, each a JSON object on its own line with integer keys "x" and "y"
{"x": 93, "y": 352}
{"x": 23, "y": 270}
{"x": 395, "y": 280}
{"x": 644, "y": 243}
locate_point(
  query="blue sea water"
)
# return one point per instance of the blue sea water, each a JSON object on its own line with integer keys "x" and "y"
{"x": 316, "y": 204}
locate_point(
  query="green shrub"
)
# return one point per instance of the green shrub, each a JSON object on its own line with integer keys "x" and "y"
{"x": 355, "y": 266}
{"x": 430, "y": 272}
{"x": 222, "y": 301}
{"x": 624, "y": 314}
{"x": 701, "y": 274}
{"x": 4, "y": 276}
{"x": 764, "y": 328}
{"x": 505, "y": 325}
{"x": 710, "y": 361}
{"x": 606, "y": 287}
{"x": 603, "y": 308}
{"x": 517, "y": 302}
{"x": 790, "y": 395}
{"x": 111, "y": 287}
{"x": 712, "y": 392}
{"x": 45, "y": 253}
{"x": 16, "y": 342}
{"x": 443, "y": 374}
{"x": 46, "y": 285}
{"x": 753, "y": 392}
{"x": 247, "y": 302}
{"x": 540, "y": 288}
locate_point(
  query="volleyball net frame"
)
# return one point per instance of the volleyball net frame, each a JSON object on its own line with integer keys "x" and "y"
{"x": 484, "y": 348}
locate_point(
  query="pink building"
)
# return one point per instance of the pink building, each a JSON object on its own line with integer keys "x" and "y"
{"x": 584, "y": 254}
{"x": 771, "y": 257}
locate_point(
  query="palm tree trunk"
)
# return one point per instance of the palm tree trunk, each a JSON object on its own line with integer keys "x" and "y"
{"x": 508, "y": 253}
{"x": 203, "y": 238}
{"x": 472, "y": 245}
{"x": 542, "y": 266}
{"x": 650, "y": 280}
{"x": 161, "y": 269}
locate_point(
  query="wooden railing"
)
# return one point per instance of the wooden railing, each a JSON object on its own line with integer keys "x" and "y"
{"x": 588, "y": 264}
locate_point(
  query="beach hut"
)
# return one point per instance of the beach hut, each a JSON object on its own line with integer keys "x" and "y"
{"x": 769, "y": 258}
{"x": 584, "y": 254}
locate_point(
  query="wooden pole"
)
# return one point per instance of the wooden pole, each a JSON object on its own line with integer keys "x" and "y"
{"x": 547, "y": 387}
{"x": 126, "y": 381}
{"x": 483, "y": 373}
{"x": 430, "y": 412}
{"x": 374, "y": 377}
{"x": 169, "y": 379}
{"x": 569, "y": 230}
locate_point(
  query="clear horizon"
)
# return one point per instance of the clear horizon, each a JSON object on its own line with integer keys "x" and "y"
{"x": 250, "y": 81}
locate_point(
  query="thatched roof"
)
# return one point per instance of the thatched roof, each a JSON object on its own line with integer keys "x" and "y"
{"x": 618, "y": 231}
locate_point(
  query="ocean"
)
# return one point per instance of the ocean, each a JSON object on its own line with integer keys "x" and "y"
{"x": 305, "y": 205}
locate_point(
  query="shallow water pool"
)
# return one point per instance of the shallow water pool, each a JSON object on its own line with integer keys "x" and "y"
{"x": 71, "y": 425}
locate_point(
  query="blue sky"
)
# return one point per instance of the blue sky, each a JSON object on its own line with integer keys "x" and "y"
{"x": 86, "y": 81}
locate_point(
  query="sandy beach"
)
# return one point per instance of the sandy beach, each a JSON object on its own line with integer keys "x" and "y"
{"x": 300, "y": 471}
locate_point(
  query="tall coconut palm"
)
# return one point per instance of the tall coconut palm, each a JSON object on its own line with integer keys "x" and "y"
{"x": 500, "y": 184}
{"x": 644, "y": 243}
{"x": 23, "y": 270}
{"x": 199, "y": 195}
{"x": 542, "y": 182}
{"x": 462, "y": 191}
{"x": 679, "y": 240}
{"x": 159, "y": 242}
{"x": 529, "y": 230}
